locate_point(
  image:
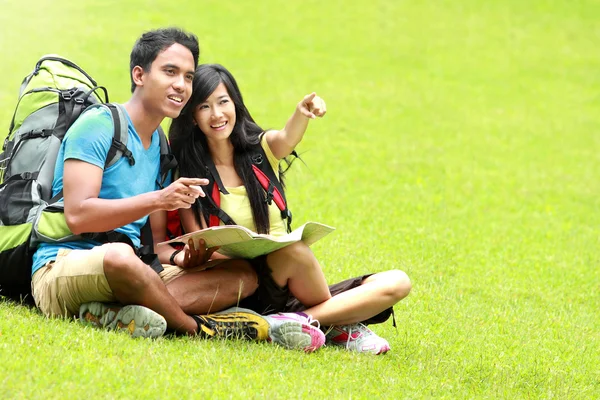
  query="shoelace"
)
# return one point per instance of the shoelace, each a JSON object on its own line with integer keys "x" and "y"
{"x": 350, "y": 328}
{"x": 311, "y": 321}
{"x": 349, "y": 336}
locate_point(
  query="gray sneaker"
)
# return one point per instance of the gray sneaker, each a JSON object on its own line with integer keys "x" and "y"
{"x": 137, "y": 321}
{"x": 357, "y": 337}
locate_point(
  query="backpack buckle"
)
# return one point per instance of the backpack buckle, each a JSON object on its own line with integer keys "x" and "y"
{"x": 269, "y": 197}
{"x": 270, "y": 190}
{"x": 67, "y": 95}
{"x": 288, "y": 217}
{"x": 257, "y": 159}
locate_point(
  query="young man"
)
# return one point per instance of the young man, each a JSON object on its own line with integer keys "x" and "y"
{"x": 81, "y": 277}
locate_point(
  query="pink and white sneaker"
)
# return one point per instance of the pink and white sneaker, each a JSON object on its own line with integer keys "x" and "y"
{"x": 295, "y": 331}
{"x": 357, "y": 337}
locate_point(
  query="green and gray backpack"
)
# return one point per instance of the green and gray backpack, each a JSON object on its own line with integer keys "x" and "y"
{"x": 51, "y": 98}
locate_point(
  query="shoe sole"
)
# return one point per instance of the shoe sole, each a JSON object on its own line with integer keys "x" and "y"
{"x": 137, "y": 321}
{"x": 296, "y": 335}
{"x": 382, "y": 350}
{"x": 292, "y": 335}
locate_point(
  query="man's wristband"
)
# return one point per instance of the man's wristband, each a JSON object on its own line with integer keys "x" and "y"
{"x": 172, "y": 259}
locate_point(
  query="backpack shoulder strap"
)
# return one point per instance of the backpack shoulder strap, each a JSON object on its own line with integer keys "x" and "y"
{"x": 167, "y": 159}
{"x": 211, "y": 203}
{"x": 270, "y": 183}
{"x": 212, "y": 171}
{"x": 118, "y": 147}
{"x": 268, "y": 178}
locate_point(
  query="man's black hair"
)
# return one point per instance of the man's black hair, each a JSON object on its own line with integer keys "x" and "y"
{"x": 151, "y": 43}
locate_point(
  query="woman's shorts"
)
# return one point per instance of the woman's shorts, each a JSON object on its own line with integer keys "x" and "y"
{"x": 271, "y": 298}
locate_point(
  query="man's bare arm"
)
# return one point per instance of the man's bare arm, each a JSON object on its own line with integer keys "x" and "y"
{"x": 85, "y": 212}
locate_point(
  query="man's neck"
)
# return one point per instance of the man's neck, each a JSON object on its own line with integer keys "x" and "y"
{"x": 144, "y": 123}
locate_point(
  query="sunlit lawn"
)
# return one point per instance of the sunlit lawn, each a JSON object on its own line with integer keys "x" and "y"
{"x": 460, "y": 145}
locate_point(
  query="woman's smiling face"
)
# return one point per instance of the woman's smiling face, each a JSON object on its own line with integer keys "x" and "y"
{"x": 216, "y": 115}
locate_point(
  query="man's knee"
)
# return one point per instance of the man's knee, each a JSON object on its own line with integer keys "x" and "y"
{"x": 118, "y": 255}
{"x": 123, "y": 265}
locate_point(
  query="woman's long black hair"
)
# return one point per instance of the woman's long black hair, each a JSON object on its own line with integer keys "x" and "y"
{"x": 187, "y": 139}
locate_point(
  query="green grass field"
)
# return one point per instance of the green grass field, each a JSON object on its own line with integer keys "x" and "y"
{"x": 461, "y": 145}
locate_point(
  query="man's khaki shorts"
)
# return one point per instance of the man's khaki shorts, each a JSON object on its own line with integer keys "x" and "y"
{"x": 77, "y": 277}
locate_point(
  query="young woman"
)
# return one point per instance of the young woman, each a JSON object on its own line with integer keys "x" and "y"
{"x": 215, "y": 132}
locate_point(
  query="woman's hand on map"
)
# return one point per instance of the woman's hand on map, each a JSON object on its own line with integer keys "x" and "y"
{"x": 192, "y": 257}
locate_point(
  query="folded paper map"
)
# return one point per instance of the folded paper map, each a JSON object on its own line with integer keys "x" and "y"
{"x": 238, "y": 242}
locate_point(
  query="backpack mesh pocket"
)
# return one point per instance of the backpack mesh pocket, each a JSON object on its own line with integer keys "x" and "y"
{"x": 24, "y": 197}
